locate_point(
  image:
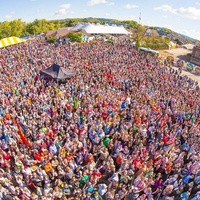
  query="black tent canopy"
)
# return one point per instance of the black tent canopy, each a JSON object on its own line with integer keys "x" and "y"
{"x": 57, "y": 72}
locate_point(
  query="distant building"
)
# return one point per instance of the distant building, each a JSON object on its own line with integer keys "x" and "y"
{"x": 63, "y": 33}
{"x": 195, "y": 58}
{"x": 151, "y": 33}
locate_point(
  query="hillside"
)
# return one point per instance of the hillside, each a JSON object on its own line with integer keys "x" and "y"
{"x": 174, "y": 36}
{"x": 184, "y": 39}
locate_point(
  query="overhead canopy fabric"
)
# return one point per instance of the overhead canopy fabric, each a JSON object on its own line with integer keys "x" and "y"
{"x": 101, "y": 29}
{"x": 57, "y": 72}
{"x": 10, "y": 41}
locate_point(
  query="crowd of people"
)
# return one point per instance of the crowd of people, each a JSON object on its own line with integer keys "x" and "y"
{"x": 125, "y": 127}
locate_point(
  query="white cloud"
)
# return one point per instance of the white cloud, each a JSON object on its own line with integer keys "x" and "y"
{"x": 65, "y": 6}
{"x": 63, "y": 10}
{"x": 168, "y": 26}
{"x": 131, "y": 17}
{"x": 197, "y": 3}
{"x": 165, "y": 8}
{"x": 130, "y": 6}
{"x": 191, "y": 33}
{"x": 107, "y": 14}
{"x": 165, "y": 16}
{"x": 8, "y": 16}
{"x": 96, "y": 2}
{"x": 189, "y": 12}
{"x": 111, "y": 4}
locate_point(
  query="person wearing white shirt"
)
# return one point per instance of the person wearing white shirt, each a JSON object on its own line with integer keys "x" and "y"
{"x": 52, "y": 149}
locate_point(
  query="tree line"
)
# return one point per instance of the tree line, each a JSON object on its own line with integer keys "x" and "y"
{"x": 19, "y": 28}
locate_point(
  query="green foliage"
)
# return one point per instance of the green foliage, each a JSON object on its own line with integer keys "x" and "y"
{"x": 138, "y": 35}
{"x": 52, "y": 39}
{"x": 156, "y": 43}
{"x": 178, "y": 42}
{"x": 167, "y": 30}
{"x": 72, "y": 22}
{"x": 75, "y": 37}
{"x": 19, "y": 28}
{"x": 130, "y": 23}
{"x": 5, "y": 29}
{"x": 110, "y": 41}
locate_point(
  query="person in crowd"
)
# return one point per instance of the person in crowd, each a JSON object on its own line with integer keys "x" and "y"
{"x": 124, "y": 127}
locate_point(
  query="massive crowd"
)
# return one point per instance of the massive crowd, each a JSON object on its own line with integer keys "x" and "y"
{"x": 126, "y": 126}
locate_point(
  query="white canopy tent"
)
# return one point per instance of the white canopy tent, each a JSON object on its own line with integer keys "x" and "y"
{"x": 91, "y": 28}
{"x": 149, "y": 50}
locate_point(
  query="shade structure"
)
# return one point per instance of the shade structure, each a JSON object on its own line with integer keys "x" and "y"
{"x": 57, "y": 72}
{"x": 92, "y": 28}
{"x": 10, "y": 41}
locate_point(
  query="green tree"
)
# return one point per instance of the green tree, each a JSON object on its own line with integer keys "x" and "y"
{"x": 156, "y": 43}
{"x": 138, "y": 35}
{"x": 52, "y": 39}
{"x": 130, "y": 23}
{"x": 17, "y": 27}
{"x": 167, "y": 30}
{"x": 75, "y": 37}
{"x": 5, "y": 29}
{"x": 178, "y": 41}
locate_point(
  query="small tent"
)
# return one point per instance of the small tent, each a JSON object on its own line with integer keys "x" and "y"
{"x": 57, "y": 72}
{"x": 10, "y": 41}
{"x": 149, "y": 50}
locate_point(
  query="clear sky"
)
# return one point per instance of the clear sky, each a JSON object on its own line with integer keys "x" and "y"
{"x": 182, "y": 16}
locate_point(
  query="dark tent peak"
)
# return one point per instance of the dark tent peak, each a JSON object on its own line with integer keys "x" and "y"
{"x": 57, "y": 72}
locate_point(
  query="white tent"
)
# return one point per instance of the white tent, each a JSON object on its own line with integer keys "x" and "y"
{"x": 101, "y": 29}
{"x": 148, "y": 50}
{"x": 77, "y": 26}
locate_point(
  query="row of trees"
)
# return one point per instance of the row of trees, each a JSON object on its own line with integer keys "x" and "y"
{"x": 19, "y": 28}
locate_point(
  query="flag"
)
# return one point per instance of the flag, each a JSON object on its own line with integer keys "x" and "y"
{"x": 23, "y": 127}
{"x": 21, "y": 134}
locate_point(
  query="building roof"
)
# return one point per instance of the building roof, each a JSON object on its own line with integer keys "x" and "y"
{"x": 59, "y": 32}
{"x": 151, "y": 32}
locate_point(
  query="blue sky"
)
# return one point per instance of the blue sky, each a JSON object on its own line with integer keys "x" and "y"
{"x": 182, "y": 16}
